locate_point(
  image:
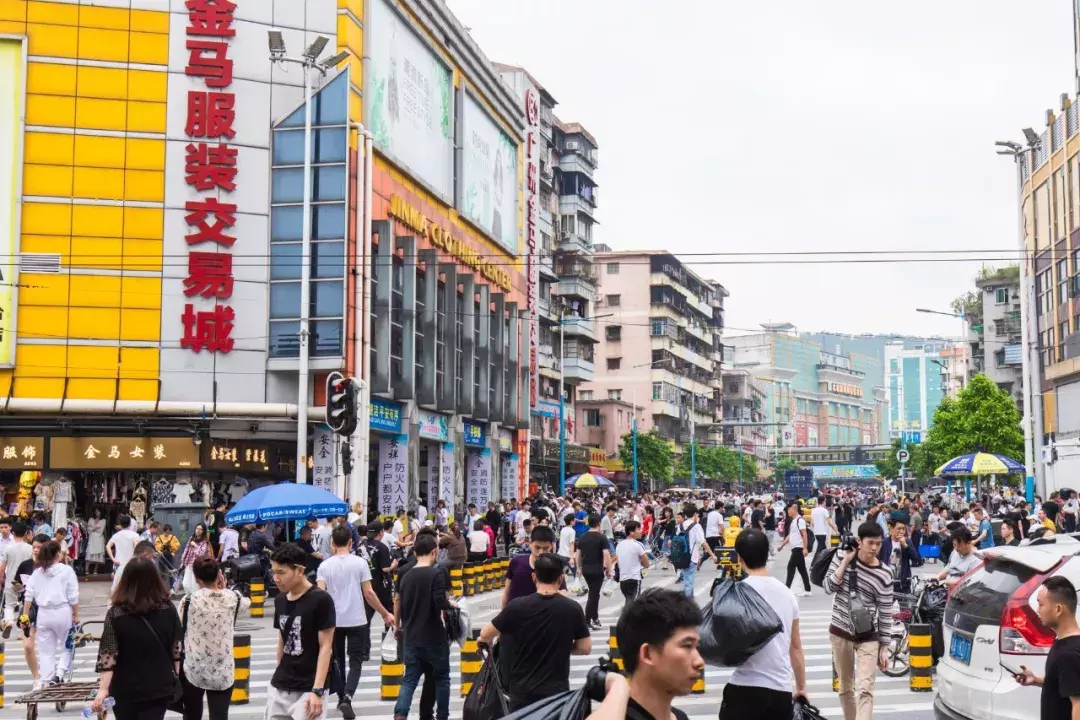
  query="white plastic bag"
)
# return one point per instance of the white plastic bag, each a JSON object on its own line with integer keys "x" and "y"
{"x": 609, "y": 588}
{"x": 389, "y": 648}
{"x": 466, "y": 622}
{"x": 189, "y": 580}
{"x": 577, "y": 585}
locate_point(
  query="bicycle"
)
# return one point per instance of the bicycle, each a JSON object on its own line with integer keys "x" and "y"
{"x": 911, "y": 608}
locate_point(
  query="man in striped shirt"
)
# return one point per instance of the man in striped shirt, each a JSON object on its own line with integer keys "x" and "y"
{"x": 858, "y": 655}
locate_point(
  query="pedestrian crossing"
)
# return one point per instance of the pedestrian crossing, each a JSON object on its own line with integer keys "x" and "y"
{"x": 893, "y": 697}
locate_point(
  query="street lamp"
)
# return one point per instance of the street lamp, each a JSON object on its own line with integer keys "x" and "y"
{"x": 562, "y": 398}
{"x": 308, "y": 61}
{"x": 1030, "y": 369}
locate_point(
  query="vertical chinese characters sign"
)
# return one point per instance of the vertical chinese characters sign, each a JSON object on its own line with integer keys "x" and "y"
{"x": 478, "y": 486}
{"x": 510, "y": 477}
{"x": 532, "y": 218}
{"x": 322, "y": 469}
{"x": 393, "y": 473}
{"x": 431, "y": 489}
{"x": 210, "y": 168}
{"x": 446, "y": 475}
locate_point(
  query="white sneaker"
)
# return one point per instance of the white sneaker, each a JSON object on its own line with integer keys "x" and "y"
{"x": 803, "y": 593}
{"x": 38, "y": 684}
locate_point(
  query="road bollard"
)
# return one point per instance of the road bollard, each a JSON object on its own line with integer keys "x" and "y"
{"x": 457, "y": 584}
{"x": 257, "y": 593}
{"x": 470, "y": 662}
{"x": 390, "y": 677}
{"x": 492, "y": 572}
{"x": 484, "y": 578}
{"x": 920, "y": 645}
{"x": 241, "y": 689}
{"x": 470, "y": 579}
{"x": 834, "y": 541}
{"x": 3, "y": 658}
{"x": 699, "y": 686}
{"x": 835, "y": 677}
{"x": 613, "y": 649}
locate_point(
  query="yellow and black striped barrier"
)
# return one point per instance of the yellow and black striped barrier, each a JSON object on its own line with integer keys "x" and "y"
{"x": 3, "y": 659}
{"x": 699, "y": 686}
{"x": 258, "y": 597}
{"x": 470, "y": 579}
{"x": 834, "y": 541}
{"x": 920, "y": 645}
{"x": 457, "y": 583}
{"x": 835, "y": 676}
{"x": 470, "y": 662}
{"x": 390, "y": 677}
{"x": 613, "y": 649}
{"x": 504, "y": 566}
{"x": 492, "y": 573}
{"x": 485, "y": 576}
{"x": 241, "y": 651}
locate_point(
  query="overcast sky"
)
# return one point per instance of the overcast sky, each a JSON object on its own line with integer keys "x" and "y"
{"x": 795, "y": 126}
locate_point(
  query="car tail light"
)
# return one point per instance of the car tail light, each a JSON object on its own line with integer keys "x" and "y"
{"x": 1022, "y": 633}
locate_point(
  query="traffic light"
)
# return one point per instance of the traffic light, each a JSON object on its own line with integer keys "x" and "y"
{"x": 346, "y": 458}
{"x": 341, "y": 410}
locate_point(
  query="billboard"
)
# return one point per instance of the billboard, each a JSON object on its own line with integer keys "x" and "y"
{"x": 845, "y": 472}
{"x": 11, "y": 131}
{"x": 489, "y": 184}
{"x": 409, "y": 99}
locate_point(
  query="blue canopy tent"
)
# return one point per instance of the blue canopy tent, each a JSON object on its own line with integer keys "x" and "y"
{"x": 286, "y": 501}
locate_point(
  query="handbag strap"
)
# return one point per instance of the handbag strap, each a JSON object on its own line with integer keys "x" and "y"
{"x": 853, "y": 580}
{"x": 157, "y": 638}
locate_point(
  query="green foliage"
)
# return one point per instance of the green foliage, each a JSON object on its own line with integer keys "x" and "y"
{"x": 919, "y": 464}
{"x": 655, "y": 460}
{"x": 982, "y": 418}
{"x": 970, "y": 305}
{"x": 782, "y": 466}
{"x": 716, "y": 462}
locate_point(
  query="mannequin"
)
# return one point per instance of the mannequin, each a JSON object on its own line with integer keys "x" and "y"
{"x": 138, "y": 505}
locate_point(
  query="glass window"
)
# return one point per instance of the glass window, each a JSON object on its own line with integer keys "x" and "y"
{"x": 330, "y": 106}
{"x": 284, "y": 339}
{"x": 613, "y": 268}
{"x": 328, "y": 183}
{"x": 286, "y": 223}
{"x": 328, "y": 259}
{"x": 328, "y": 298}
{"x": 328, "y": 146}
{"x": 284, "y": 300}
{"x": 326, "y": 338}
{"x": 285, "y": 261}
{"x": 287, "y": 185}
{"x": 657, "y": 391}
{"x": 614, "y": 300}
{"x": 328, "y": 222}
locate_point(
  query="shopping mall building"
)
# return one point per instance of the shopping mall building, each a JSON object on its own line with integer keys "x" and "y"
{"x": 152, "y": 233}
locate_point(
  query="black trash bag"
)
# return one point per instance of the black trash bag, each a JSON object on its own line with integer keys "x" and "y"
{"x": 573, "y": 705}
{"x": 933, "y": 613}
{"x": 803, "y": 710}
{"x": 486, "y": 700}
{"x": 820, "y": 567}
{"x": 735, "y": 624}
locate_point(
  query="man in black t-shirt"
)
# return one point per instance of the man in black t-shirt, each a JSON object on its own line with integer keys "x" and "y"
{"x": 1061, "y": 684}
{"x": 398, "y": 573}
{"x": 304, "y": 618}
{"x": 657, "y": 636}
{"x": 547, "y": 628}
{"x": 593, "y": 558}
{"x": 423, "y": 599}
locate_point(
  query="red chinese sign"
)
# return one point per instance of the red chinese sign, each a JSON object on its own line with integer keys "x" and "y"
{"x": 532, "y": 216}
{"x": 210, "y": 167}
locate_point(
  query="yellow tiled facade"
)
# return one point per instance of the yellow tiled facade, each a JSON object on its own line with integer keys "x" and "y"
{"x": 93, "y": 187}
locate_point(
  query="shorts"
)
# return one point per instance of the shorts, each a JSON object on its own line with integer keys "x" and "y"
{"x": 290, "y": 704}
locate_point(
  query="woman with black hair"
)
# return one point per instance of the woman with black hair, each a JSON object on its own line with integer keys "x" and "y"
{"x": 55, "y": 589}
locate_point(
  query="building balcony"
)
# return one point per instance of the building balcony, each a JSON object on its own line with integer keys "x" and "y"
{"x": 576, "y": 204}
{"x": 580, "y": 285}
{"x": 546, "y": 357}
{"x": 580, "y": 327}
{"x": 576, "y": 161}
{"x": 547, "y": 266}
{"x": 544, "y": 309}
{"x": 574, "y": 243}
{"x": 576, "y": 369}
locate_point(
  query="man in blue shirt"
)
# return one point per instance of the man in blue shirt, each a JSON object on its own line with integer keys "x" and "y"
{"x": 986, "y": 530}
{"x": 580, "y": 519}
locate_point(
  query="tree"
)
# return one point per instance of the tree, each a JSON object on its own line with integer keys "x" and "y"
{"x": 654, "y": 456}
{"x": 782, "y": 466}
{"x": 918, "y": 464}
{"x": 983, "y": 418}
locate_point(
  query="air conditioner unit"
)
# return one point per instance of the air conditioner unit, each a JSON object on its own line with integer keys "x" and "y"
{"x": 573, "y": 145}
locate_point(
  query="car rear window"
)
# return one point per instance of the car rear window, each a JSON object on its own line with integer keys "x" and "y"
{"x": 982, "y": 597}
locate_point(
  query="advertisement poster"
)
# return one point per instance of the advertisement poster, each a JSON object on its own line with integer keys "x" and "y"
{"x": 323, "y": 457}
{"x": 434, "y": 472}
{"x": 393, "y": 473}
{"x": 510, "y": 477}
{"x": 446, "y": 475}
{"x": 490, "y": 182}
{"x": 478, "y": 480}
{"x": 11, "y": 70}
{"x": 410, "y": 108}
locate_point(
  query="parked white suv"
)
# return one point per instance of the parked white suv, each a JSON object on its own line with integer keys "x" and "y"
{"x": 991, "y": 628}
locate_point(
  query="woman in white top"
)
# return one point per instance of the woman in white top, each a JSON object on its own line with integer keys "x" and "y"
{"x": 55, "y": 589}
{"x": 478, "y": 542}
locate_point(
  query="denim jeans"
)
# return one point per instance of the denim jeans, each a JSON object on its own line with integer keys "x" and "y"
{"x": 416, "y": 657}
{"x": 359, "y": 650}
{"x": 688, "y": 576}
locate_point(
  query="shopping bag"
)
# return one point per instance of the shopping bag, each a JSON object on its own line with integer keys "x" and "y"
{"x": 736, "y": 623}
{"x": 189, "y": 580}
{"x": 820, "y": 567}
{"x": 486, "y": 700}
{"x": 573, "y": 705}
{"x": 458, "y": 623}
{"x": 577, "y": 585}
{"x": 609, "y": 587}
{"x": 390, "y": 647}
{"x": 803, "y": 710}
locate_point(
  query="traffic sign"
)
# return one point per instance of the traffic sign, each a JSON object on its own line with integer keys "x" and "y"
{"x": 902, "y": 456}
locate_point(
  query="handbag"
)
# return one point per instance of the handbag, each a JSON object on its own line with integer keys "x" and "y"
{"x": 176, "y": 701}
{"x": 862, "y": 621}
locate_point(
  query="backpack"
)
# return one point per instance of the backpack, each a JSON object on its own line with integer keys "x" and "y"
{"x": 680, "y": 548}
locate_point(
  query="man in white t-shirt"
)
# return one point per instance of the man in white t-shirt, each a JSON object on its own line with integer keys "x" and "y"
{"x": 822, "y": 524}
{"x": 795, "y": 535}
{"x": 121, "y": 547}
{"x": 567, "y": 536}
{"x": 714, "y": 526}
{"x": 695, "y": 537}
{"x": 347, "y": 578}
{"x": 762, "y": 686}
{"x": 631, "y": 557}
{"x": 523, "y": 514}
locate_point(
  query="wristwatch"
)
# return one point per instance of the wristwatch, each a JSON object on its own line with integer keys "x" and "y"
{"x": 319, "y": 692}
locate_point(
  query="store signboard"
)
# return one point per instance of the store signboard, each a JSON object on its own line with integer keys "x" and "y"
{"x": 478, "y": 483}
{"x": 844, "y": 472}
{"x": 489, "y": 185}
{"x": 475, "y": 434}
{"x": 22, "y": 453}
{"x": 323, "y": 459}
{"x": 13, "y": 71}
{"x": 510, "y": 477}
{"x": 123, "y": 453}
{"x": 393, "y": 473}
{"x": 574, "y": 453}
{"x": 245, "y": 456}
{"x": 506, "y": 441}
{"x": 432, "y": 426}
{"x": 385, "y": 416}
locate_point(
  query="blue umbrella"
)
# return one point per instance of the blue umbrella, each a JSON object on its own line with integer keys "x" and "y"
{"x": 588, "y": 480}
{"x": 980, "y": 463}
{"x": 286, "y": 501}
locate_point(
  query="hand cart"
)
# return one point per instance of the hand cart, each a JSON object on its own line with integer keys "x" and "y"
{"x": 80, "y": 692}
